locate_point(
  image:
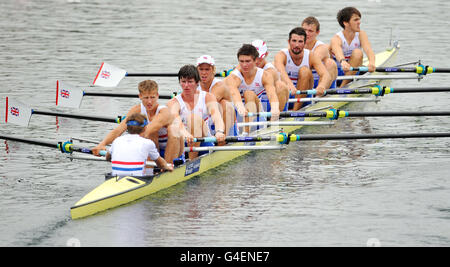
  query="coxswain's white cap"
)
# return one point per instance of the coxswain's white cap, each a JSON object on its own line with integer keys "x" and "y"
{"x": 205, "y": 59}
{"x": 261, "y": 46}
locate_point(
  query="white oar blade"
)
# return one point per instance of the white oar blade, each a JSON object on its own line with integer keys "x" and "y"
{"x": 17, "y": 112}
{"x": 68, "y": 96}
{"x": 109, "y": 75}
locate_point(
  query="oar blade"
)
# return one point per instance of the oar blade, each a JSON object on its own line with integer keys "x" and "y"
{"x": 109, "y": 75}
{"x": 17, "y": 112}
{"x": 68, "y": 96}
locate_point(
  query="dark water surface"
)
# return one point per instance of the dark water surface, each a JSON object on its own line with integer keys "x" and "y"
{"x": 322, "y": 193}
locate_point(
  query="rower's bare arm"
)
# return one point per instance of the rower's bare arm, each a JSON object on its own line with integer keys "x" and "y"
{"x": 322, "y": 51}
{"x": 324, "y": 76}
{"x": 213, "y": 109}
{"x": 336, "y": 48}
{"x": 365, "y": 44}
{"x": 269, "y": 86}
{"x": 232, "y": 83}
{"x": 162, "y": 119}
{"x": 177, "y": 123}
{"x": 162, "y": 164}
{"x": 113, "y": 134}
{"x": 220, "y": 92}
{"x": 280, "y": 65}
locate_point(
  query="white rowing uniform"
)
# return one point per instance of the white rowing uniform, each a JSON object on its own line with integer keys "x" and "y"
{"x": 200, "y": 109}
{"x": 162, "y": 133}
{"x": 348, "y": 48}
{"x": 256, "y": 85}
{"x": 314, "y": 72}
{"x": 210, "y": 121}
{"x": 269, "y": 65}
{"x": 129, "y": 153}
{"x": 291, "y": 68}
{"x": 216, "y": 80}
{"x": 317, "y": 44}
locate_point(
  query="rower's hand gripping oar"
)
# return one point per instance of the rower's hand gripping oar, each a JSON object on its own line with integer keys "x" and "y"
{"x": 20, "y": 114}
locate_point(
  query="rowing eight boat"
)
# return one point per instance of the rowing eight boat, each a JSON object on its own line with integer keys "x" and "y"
{"x": 116, "y": 191}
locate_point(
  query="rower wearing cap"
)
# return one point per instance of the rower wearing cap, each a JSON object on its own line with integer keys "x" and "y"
{"x": 249, "y": 82}
{"x": 346, "y": 45}
{"x": 311, "y": 26}
{"x": 209, "y": 83}
{"x": 191, "y": 110}
{"x": 128, "y": 153}
{"x": 261, "y": 62}
{"x": 159, "y": 116}
{"x": 295, "y": 63}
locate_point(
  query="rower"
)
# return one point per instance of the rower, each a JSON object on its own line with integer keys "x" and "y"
{"x": 311, "y": 26}
{"x": 249, "y": 82}
{"x": 209, "y": 83}
{"x": 191, "y": 110}
{"x": 280, "y": 86}
{"x": 295, "y": 64}
{"x": 128, "y": 153}
{"x": 158, "y": 130}
{"x": 346, "y": 45}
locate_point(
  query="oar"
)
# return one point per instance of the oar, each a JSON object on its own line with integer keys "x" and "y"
{"x": 378, "y": 77}
{"x": 70, "y": 96}
{"x": 110, "y": 76}
{"x": 284, "y": 123}
{"x": 336, "y": 113}
{"x": 19, "y": 113}
{"x": 233, "y": 148}
{"x": 421, "y": 69}
{"x": 283, "y": 138}
{"x": 332, "y": 99}
{"x": 65, "y": 147}
{"x": 378, "y": 90}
